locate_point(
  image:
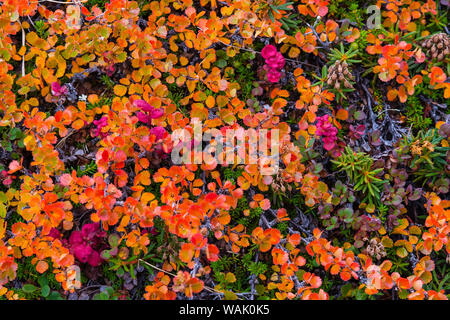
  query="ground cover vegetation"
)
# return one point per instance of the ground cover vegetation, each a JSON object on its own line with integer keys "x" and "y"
{"x": 93, "y": 207}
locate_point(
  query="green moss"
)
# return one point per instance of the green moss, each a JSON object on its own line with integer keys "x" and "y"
{"x": 414, "y": 112}
{"x": 111, "y": 275}
{"x": 102, "y": 101}
{"x": 242, "y": 266}
{"x": 27, "y": 274}
{"x": 99, "y": 3}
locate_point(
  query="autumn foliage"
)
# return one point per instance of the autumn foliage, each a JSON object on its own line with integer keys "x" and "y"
{"x": 91, "y": 92}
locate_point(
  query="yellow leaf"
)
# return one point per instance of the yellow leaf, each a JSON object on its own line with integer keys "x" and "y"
{"x": 146, "y": 197}
{"x": 125, "y": 81}
{"x": 210, "y": 102}
{"x": 401, "y": 252}
{"x": 199, "y": 96}
{"x": 230, "y": 277}
{"x": 29, "y": 142}
{"x": 294, "y": 52}
{"x": 183, "y": 61}
{"x": 120, "y": 90}
{"x": 143, "y": 177}
{"x": 221, "y": 101}
{"x": 231, "y": 52}
{"x": 22, "y": 50}
{"x": 78, "y": 124}
{"x": 229, "y": 295}
{"x": 2, "y": 210}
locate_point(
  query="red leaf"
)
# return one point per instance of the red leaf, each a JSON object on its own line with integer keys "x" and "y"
{"x": 212, "y": 252}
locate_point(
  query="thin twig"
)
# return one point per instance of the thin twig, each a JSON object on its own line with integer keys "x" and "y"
{"x": 157, "y": 268}
{"x": 23, "y": 45}
{"x": 31, "y": 21}
{"x": 61, "y": 142}
{"x": 209, "y": 289}
{"x": 62, "y": 2}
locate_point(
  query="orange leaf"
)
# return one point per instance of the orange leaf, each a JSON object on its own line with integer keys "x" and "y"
{"x": 120, "y": 90}
{"x": 437, "y": 75}
{"x": 335, "y": 269}
{"x": 392, "y": 94}
{"x": 187, "y": 252}
{"x": 78, "y": 124}
{"x": 41, "y": 266}
{"x": 199, "y": 96}
{"x": 210, "y": 102}
{"x": 345, "y": 276}
{"x": 294, "y": 239}
{"x": 193, "y": 286}
{"x": 342, "y": 114}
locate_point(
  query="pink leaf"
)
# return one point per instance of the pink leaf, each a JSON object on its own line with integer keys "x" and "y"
{"x": 65, "y": 179}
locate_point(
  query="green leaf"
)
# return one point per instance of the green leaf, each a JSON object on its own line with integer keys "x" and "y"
{"x": 120, "y": 272}
{"x": 2, "y": 210}
{"x": 230, "y": 295}
{"x": 401, "y": 252}
{"x": 113, "y": 240}
{"x": 230, "y": 278}
{"x": 104, "y": 296}
{"x": 274, "y": 8}
{"x": 271, "y": 16}
{"x": 105, "y": 254}
{"x": 29, "y": 288}
{"x": 43, "y": 281}
{"x": 45, "y": 291}
{"x": 221, "y": 63}
{"x": 109, "y": 291}
{"x": 283, "y": 7}
{"x": 55, "y": 295}
{"x": 14, "y": 133}
{"x": 403, "y": 294}
{"x": 260, "y": 289}
{"x": 346, "y": 290}
{"x": 121, "y": 57}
